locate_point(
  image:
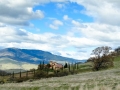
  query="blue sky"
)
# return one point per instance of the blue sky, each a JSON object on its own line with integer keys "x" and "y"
{"x": 70, "y": 28}
{"x": 57, "y": 11}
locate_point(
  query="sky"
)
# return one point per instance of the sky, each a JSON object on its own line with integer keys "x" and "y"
{"x": 70, "y": 28}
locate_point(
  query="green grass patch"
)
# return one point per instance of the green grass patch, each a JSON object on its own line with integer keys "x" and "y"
{"x": 117, "y": 62}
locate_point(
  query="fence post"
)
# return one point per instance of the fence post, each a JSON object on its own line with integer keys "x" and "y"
{"x": 27, "y": 74}
{"x": 77, "y": 66}
{"x": 73, "y": 65}
{"x": 69, "y": 67}
{"x": 34, "y": 72}
{"x": 63, "y": 69}
{"x": 13, "y": 75}
{"x": 47, "y": 69}
{"x": 20, "y": 73}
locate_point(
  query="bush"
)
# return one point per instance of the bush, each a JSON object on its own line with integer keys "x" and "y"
{"x": 11, "y": 80}
{"x": 2, "y": 82}
{"x": 41, "y": 74}
{"x": 62, "y": 73}
{"x": 18, "y": 80}
{"x": 102, "y": 63}
{"x": 51, "y": 75}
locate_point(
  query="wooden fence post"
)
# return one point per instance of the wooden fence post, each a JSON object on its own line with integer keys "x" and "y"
{"x": 69, "y": 67}
{"x": 77, "y": 66}
{"x": 27, "y": 74}
{"x": 13, "y": 75}
{"x": 73, "y": 68}
{"x": 20, "y": 73}
{"x": 34, "y": 72}
{"x": 47, "y": 69}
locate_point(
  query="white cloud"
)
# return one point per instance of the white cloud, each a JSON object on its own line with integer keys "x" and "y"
{"x": 14, "y": 12}
{"x": 47, "y": 41}
{"x": 18, "y": 12}
{"x": 93, "y": 35}
{"x": 59, "y": 5}
{"x": 65, "y": 17}
{"x": 103, "y": 31}
{"x": 58, "y": 0}
{"x": 55, "y": 24}
{"x": 2, "y": 25}
{"x": 102, "y": 11}
{"x": 76, "y": 23}
{"x": 75, "y": 54}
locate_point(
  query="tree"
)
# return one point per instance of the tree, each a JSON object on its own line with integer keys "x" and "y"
{"x": 102, "y": 58}
{"x": 117, "y": 50}
{"x": 41, "y": 66}
{"x": 66, "y": 65}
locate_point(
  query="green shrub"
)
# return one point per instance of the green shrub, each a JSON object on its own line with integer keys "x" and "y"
{"x": 2, "y": 81}
{"x": 11, "y": 80}
{"x": 62, "y": 73}
{"x": 51, "y": 75}
{"x": 18, "y": 80}
{"x": 41, "y": 74}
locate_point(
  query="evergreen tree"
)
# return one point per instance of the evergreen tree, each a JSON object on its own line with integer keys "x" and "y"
{"x": 66, "y": 65}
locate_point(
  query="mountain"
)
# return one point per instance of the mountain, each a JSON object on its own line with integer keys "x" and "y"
{"x": 20, "y": 57}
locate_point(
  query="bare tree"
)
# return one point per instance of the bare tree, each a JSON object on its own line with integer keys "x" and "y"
{"x": 103, "y": 58}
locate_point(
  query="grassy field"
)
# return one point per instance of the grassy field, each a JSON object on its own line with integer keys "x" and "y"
{"x": 89, "y": 80}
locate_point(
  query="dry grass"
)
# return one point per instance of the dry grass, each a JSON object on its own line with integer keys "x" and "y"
{"x": 100, "y": 80}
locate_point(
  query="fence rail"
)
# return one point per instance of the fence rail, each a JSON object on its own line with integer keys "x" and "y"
{"x": 70, "y": 69}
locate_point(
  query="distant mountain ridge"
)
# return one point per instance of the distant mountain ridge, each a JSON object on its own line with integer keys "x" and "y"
{"x": 32, "y": 56}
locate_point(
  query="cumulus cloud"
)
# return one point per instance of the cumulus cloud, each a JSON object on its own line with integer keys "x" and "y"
{"x": 2, "y": 25}
{"x": 55, "y": 24}
{"x": 80, "y": 36}
{"x": 45, "y": 41}
{"x": 95, "y": 34}
{"x": 15, "y": 12}
{"x": 102, "y": 32}
{"x": 24, "y": 39}
{"x": 105, "y": 28}
{"x": 65, "y": 17}
{"x": 60, "y": 43}
{"x": 107, "y": 11}
{"x": 58, "y": 0}
{"x": 18, "y": 12}
{"x": 75, "y": 23}
{"x": 75, "y": 54}
{"x": 59, "y": 5}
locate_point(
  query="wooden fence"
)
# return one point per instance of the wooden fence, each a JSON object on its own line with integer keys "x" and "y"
{"x": 32, "y": 73}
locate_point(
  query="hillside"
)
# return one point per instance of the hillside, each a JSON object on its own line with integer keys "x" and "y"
{"x": 31, "y": 56}
{"x": 99, "y": 80}
{"x": 15, "y": 58}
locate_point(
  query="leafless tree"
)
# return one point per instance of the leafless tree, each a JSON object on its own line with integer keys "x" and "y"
{"x": 103, "y": 58}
